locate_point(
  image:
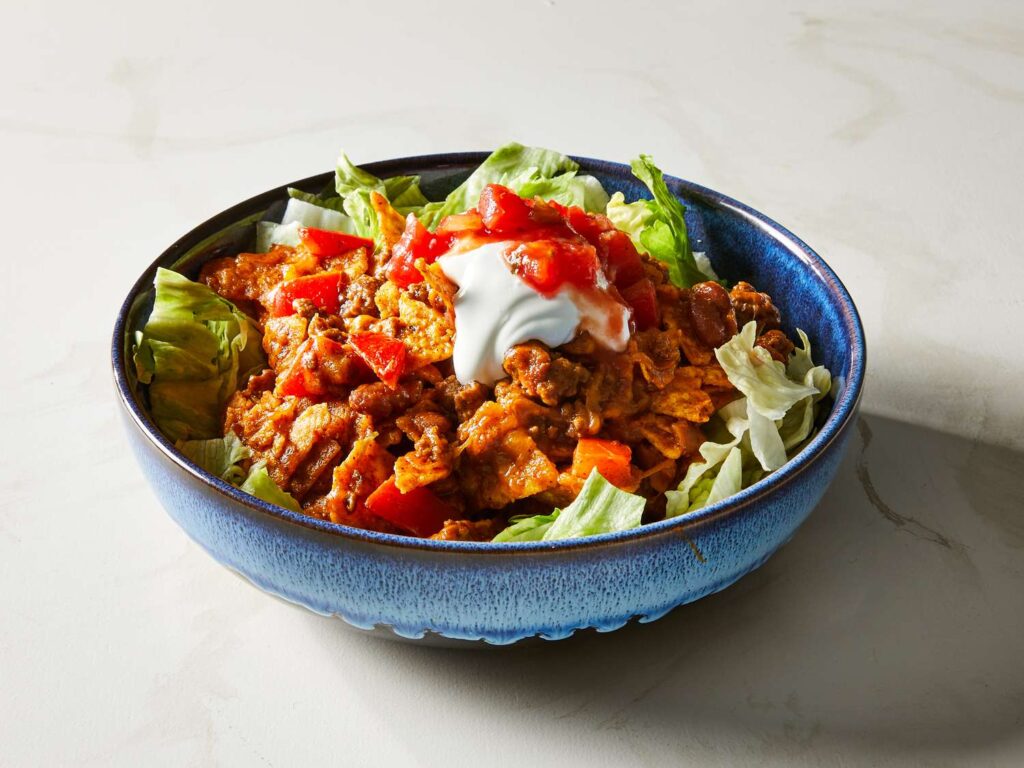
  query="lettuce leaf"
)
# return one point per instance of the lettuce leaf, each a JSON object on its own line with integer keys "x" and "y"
{"x": 567, "y": 189}
{"x": 700, "y": 476}
{"x": 219, "y": 456}
{"x": 260, "y": 484}
{"x": 767, "y": 426}
{"x": 763, "y": 380}
{"x": 631, "y": 218}
{"x": 317, "y": 216}
{"x": 664, "y": 234}
{"x": 223, "y": 457}
{"x": 798, "y": 422}
{"x": 194, "y": 351}
{"x": 354, "y": 186}
{"x": 600, "y": 507}
{"x": 514, "y": 166}
{"x": 524, "y": 528}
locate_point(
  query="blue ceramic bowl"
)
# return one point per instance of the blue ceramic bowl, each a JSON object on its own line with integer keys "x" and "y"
{"x": 504, "y": 593}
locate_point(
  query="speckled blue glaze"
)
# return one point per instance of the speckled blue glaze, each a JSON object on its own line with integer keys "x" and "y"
{"x": 502, "y": 593}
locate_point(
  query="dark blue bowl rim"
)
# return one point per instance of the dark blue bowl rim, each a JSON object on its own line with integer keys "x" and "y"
{"x": 745, "y": 502}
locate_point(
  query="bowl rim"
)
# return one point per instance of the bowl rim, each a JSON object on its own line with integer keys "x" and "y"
{"x": 843, "y": 410}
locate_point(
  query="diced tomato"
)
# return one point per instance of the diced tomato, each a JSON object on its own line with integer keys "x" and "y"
{"x": 323, "y": 289}
{"x": 325, "y": 243}
{"x": 416, "y": 243}
{"x": 384, "y": 354}
{"x": 610, "y": 457}
{"x": 642, "y": 297}
{"x": 587, "y": 225}
{"x": 547, "y": 265}
{"x": 502, "y": 210}
{"x": 420, "y": 511}
{"x": 622, "y": 261}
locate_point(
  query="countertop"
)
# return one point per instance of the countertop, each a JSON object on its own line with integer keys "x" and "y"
{"x": 890, "y": 136}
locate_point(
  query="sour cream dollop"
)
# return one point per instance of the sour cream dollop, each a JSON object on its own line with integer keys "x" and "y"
{"x": 496, "y": 310}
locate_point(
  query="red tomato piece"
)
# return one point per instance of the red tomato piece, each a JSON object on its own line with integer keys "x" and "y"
{"x": 589, "y": 226}
{"x": 502, "y": 210}
{"x": 547, "y": 265}
{"x": 609, "y": 457}
{"x": 384, "y": 354}
{"x": 323, "y": 289}
{"x": 621, "y": 258}
{"x": 642, "y": 297}
{"x": 325, "y": 243}
{"x": 420, "y": 511}
{"x": 416, "y": 243}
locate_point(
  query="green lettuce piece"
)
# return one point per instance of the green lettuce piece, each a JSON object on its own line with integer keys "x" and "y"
{"x": 729, "y": 480}
{"x": 763, "y": 380}
{"x": 798, "y": 422}
{"x": 333, "y": 203}
{"x": 700, "y": 476}
{"x": 194, "y": 351}
{"x": 524, "y": 528}
{"x": 631, "y": 218}
{"x": 567, "y": 189}
{"x": 600, "y": 507}
{"x": 219, "y": 456}
{"x": 513, "y": 166}
{"x": 314, "y": 215}
{"x": 223, "y": 457}
{"x": 664, "y": 235}
{"x": 354, "y": 185}
{"x": 260, "y": 484}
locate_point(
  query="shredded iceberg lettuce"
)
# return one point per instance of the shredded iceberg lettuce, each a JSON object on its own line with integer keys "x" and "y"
{"x": 223, "y": 456}
{"x": 193, "y": 352}
{"x": 600, "y": 507}
{"x": 530, "y": 171}
{"x": 767, "y": 425}
{"x": 664, "y": 233}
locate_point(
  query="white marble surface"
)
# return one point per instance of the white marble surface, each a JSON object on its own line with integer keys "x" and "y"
{"x": 889, "y": 135}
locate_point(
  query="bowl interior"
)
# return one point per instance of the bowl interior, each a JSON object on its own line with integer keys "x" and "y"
{"x": 741, "y": 243}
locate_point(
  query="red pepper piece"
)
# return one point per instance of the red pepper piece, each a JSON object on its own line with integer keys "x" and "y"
{"x": 642, "y": 297}
{"x": 325, "y": 243}
{"x": 420, "y": 511}
{"x": 610, "y": 457}
{"x": 323, "y": 289}
{"x": 384, "y": 354}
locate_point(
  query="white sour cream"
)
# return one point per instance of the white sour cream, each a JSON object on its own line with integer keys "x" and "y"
{"x": 495, "y": 310}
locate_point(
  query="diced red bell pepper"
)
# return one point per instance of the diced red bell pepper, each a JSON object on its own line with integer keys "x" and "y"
{"x": 384, "y": 354}
{"x": 325, "y": 243}
{"x": 420, "y": 511}
{"x": 416, "y": 243}
{"x": 502, "y": 210}
{"x": 323, "y": 289}
{"x": 610, "y": 457}
{"x": 642, "y": 297}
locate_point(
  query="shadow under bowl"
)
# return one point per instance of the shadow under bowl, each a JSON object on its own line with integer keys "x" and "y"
{"x": 454, "y": 592}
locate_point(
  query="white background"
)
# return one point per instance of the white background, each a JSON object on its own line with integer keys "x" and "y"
{"x": 890, "y": 136}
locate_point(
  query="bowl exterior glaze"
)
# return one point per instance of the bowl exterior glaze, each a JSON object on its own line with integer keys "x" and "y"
{"x": 501, "y": 594}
